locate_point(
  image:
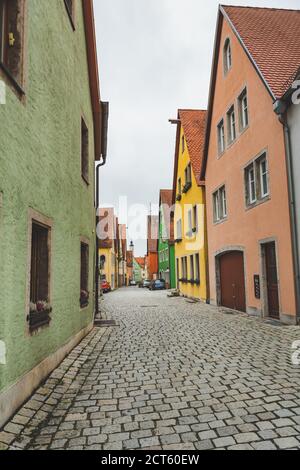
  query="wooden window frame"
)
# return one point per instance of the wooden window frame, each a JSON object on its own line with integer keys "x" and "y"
{"x": 85, "y": 153}
{"x": 15, "y": 79}
{"x": 231, "y": 125}
{"x": 220, "y": 212}
{"x": 84, "y": 303}
{"x": 35, "y": 217}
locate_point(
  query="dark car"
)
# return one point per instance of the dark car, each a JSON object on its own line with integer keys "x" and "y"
{"x": 105, "y": 286}
{"x": 158, "y": 285}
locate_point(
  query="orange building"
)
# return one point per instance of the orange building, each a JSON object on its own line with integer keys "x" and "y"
{"x": 152, "y": 247}
{"x": 247, "y": 192}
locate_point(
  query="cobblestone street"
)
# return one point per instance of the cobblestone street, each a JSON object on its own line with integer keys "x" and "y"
{"x": 171, "y": 375}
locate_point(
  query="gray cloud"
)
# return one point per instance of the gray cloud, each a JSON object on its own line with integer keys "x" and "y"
{"x": 155, "y": 57}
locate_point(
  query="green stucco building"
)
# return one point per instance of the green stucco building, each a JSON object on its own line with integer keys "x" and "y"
{"x": 50, "y": 136}
{"x": 166, "y": 247}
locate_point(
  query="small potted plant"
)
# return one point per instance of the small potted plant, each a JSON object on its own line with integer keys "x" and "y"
{"x": 84, "y": 298}
{"x": 39, "y": 314}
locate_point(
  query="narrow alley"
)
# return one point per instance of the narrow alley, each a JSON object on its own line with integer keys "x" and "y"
{"x": 171, "y": 374}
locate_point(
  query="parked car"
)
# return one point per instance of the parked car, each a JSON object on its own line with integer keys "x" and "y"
{"x": 158, "y": 285}
{"x": 146, "y": 284}
{"x": 132, "y": 283}
{"x": 105, "y": 286}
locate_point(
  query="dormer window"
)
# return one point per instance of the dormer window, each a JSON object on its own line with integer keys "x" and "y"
{"x": 227, "y": 56}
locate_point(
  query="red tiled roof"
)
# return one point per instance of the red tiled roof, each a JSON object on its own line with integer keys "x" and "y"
{"x": 141, "y": 262}
{"x": 272, "y": 37}
{"x": 194, "y": 126}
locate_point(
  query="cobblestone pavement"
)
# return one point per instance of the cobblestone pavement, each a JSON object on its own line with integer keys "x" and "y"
{"x": 172, "y": 375}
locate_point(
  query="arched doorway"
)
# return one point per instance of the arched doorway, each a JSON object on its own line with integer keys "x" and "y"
{"x": 232, "y": 280}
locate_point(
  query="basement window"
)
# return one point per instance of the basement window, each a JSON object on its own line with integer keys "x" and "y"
{"x": 40, "y": 308}
{"x": 12, "y": 14}
{"x": 84, "y": 151}
{"x": 84, "y": 275}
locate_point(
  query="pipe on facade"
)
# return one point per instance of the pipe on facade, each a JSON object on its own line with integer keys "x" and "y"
{"x": 97, "y": 287}
{"x": 292, "y": 203}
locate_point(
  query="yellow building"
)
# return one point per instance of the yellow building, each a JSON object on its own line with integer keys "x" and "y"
{"x": 189, "y": 198}
{"x": 108, "y": 243}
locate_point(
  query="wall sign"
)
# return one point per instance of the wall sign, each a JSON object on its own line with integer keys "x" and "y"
{"x": 257, "y": 286}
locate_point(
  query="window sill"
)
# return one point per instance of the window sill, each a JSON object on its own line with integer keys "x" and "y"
{"x": 219, "y": 222}
{"x": 257, "y": 203}
{"x": 12, "y": 82}
{"x": 37, "y": 320}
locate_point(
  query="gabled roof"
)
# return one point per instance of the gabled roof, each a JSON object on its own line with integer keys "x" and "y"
{"x": 271, "y": 39}
{"x": 166, "y": 200}
{"x": 107, "y": 225}
{"x": 193, "y": 123}
{"x": 141, "y": 262}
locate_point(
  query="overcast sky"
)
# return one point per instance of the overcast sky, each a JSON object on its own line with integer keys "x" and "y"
{"x": 155, "y": 57}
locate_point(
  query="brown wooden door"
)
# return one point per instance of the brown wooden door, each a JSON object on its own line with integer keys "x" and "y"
{"x": 272, "y": 280}
{"x": 232, "y": 278}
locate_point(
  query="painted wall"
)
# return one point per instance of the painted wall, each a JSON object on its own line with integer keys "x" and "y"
{"x": 137, "y": 271}
{"x": 294, "y": 123}
{"x": 195, "y": 244}
{"x": 40, "y": 161}
{"x": 247, "y": 227}
{"x": 109, "y": 268}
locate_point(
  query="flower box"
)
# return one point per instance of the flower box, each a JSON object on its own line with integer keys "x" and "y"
{"x": 38, "y": 319}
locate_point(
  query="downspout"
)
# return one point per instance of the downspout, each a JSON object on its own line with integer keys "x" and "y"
{"x": 281, "y": 110}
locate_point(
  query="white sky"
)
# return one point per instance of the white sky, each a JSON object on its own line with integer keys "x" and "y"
{"x": 155, "y": 57}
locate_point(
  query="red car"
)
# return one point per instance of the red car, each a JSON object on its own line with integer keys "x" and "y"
{"x": 105, "y": 286}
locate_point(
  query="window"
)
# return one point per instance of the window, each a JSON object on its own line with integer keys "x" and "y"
{"x": 179, "y": 186}
{"x": 183, "y": 144}
{"x": 231, "y": 125}
{"x": 190, "y": 222}
{"x": 179, "y": 229}
{"x": 188, "y": 178}
{"x": 196, "y": 224}
{"x": 220, "y": 204}
{"x": 70, "y": 6}
{"x": 257, "y": 180}
{"x": 84, "y": 275}
{"x": 227, "y": 56}
{"x": 84, "y": 152}
{"x": 192, "y": 270}
{"x": 39, "y": 276}
{"x": 243, "y": 110}
{"x": 221, "y": 137}
{"x": 11, "y": 39}
{"x": 184, "y": 268}
{"x": 197, "y": 268}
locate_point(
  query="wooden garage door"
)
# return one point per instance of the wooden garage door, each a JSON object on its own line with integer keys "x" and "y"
{"x": 232, "y": 278}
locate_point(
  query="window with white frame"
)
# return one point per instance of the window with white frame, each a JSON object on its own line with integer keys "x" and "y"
{"x": 190, "y": 222}
{"x": 220, "y": 204}
{"x": 243, "y": 110}
{"x": 221, "y": 137}
{"x": 197, "y": 267}
{"x": 231, "y": 122}
{"x": 179, "y": 229}
{"x": 257, "y": 180}
{"x": 192, "y": 269}
{"x": 227, "y": 56}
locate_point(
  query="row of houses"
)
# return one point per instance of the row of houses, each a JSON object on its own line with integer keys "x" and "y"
{"x": 52, "y": 133}
{"x": 233, "y": 212}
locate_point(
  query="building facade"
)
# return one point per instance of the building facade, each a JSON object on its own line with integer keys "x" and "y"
{"x": 152, "y": 247}
{"x": 50, "y": 136}
{"x": 245, "y": 168}
{"x": 189, "y": 200}
{"x": 166, "y": 247}
{"x": 108, "y": 251}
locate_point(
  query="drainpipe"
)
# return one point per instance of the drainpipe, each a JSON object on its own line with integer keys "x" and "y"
{"x": 280, "y": 108}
